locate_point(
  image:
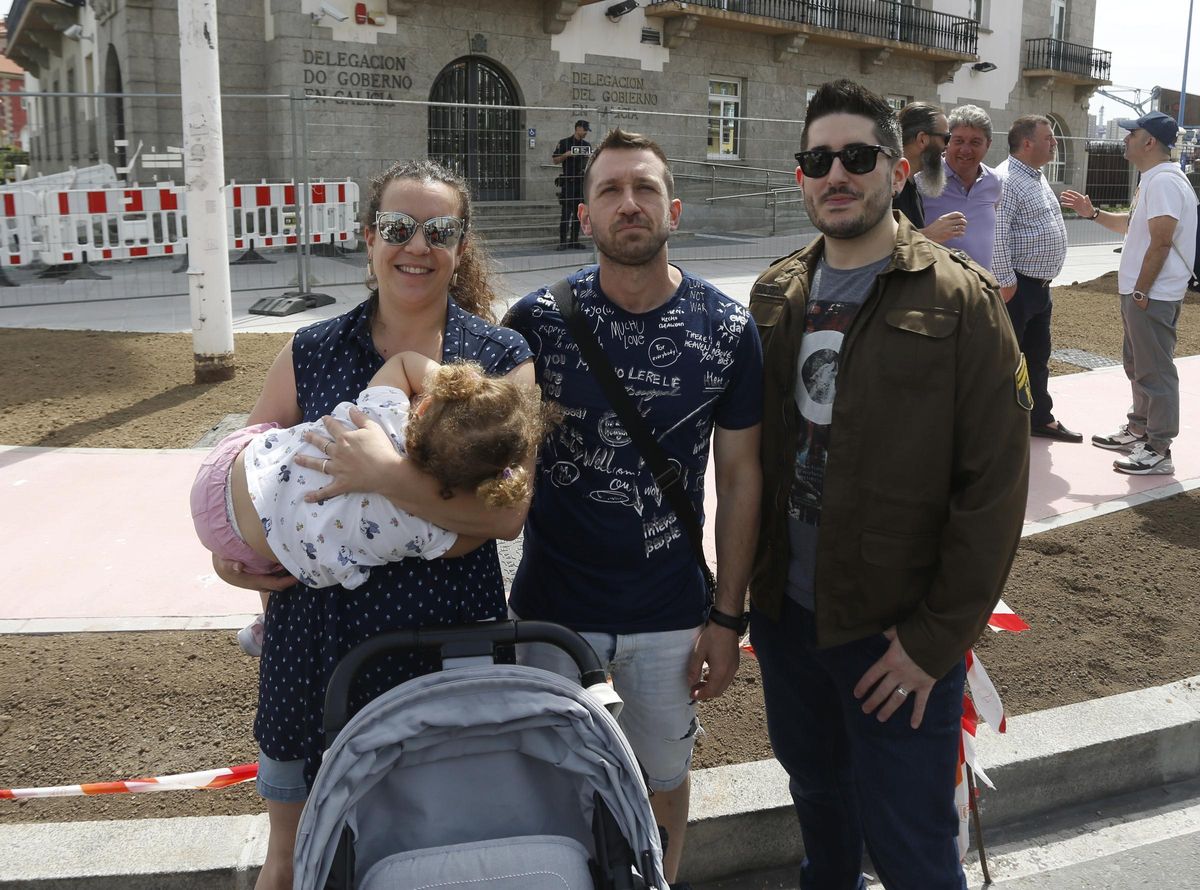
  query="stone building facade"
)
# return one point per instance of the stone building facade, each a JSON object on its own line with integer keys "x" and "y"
{"x": 722, "y": 83}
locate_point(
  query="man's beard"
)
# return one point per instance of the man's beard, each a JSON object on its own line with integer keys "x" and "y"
{"x": 874, "y": 205}
{"x": 631, "y": 251}
{"x": 933, "y": 172}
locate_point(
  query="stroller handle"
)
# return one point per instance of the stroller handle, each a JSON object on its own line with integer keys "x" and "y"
{"x": 454, "y": 641}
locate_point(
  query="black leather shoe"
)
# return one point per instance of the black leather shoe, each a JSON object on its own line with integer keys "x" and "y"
{"x": 1056, "y": 431}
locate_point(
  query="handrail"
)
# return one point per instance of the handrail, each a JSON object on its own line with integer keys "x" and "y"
{"x": 710, "y": 163}
{"x": 777, "y": 191}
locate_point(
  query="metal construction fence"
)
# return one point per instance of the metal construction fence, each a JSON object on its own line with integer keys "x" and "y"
{"x": 114, "y": 225}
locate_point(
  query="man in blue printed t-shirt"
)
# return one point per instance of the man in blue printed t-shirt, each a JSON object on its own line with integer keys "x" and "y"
{"x": 604, "y": 552}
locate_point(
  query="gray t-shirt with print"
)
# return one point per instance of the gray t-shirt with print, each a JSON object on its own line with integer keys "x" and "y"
{"x": 837, "y": 295}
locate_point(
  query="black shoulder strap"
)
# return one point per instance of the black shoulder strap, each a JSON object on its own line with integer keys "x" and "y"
{"x": 666, "y": 474}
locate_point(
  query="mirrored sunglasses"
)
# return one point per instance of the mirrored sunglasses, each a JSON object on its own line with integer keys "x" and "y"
{"x": 857, "y": 159}
{"x": 398, "y": 228}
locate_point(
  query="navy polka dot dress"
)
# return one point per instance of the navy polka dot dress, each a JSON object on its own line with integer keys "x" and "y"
{"x": 308, "y": 630}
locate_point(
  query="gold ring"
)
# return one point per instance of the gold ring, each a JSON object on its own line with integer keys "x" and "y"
{"x": 325, "y": 447}
{"x": 324, "y": 464}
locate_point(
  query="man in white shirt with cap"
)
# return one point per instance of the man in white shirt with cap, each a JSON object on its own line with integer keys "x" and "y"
{"x": 1156, "y": 265}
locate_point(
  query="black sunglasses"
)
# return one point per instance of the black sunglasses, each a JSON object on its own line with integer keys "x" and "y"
{"x": 945, "y": 137}
{"x": 398, "y": 228}
{"x": 857, "y": 159}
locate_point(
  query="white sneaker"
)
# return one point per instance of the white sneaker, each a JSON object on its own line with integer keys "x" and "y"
{"x": 1121, "y": 440}
{"x": 1145, "y": 461}
{"x": 250, "y": 637}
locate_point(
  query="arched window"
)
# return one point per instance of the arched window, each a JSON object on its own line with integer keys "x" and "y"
{"x": 482, "y": 144}
{"x": 1056, "y": 170}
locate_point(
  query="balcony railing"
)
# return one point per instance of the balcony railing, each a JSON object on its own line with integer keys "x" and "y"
{"x": 1048, "y": 54}
{"x": 884, "y": 19}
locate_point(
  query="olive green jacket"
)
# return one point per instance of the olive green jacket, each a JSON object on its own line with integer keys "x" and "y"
{"x": 928, "y": 459}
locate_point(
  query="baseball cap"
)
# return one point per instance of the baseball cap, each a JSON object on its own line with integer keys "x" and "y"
{"x": 1161, "y": 126}
{"x": 584, "y": 124}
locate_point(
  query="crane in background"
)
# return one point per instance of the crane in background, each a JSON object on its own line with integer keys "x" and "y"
{"x": 1137, "y": 103}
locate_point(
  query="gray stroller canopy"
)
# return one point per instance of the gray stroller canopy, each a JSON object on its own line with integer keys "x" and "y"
{"x": 430, "y": 775}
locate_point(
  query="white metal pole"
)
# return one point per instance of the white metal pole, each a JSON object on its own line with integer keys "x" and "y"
{"x": 1187, "y": 50}
{"x": 204, "y": 173}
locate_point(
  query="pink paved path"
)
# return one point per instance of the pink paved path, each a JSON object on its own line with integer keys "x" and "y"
{"x": 100, "y": 538}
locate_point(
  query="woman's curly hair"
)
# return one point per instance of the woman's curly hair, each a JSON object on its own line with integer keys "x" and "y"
{"x": 474, "y": 432}
{"x": 472, "y": 289}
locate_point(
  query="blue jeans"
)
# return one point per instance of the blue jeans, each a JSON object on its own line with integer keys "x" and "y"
{"x": 853, "y": 779}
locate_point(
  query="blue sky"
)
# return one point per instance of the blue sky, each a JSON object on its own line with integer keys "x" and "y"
{"x": 1147, "y": 47}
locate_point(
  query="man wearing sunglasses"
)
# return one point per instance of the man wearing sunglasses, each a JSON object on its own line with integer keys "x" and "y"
{"x": 573, "y": 153}
{"x": 895, "y": 465}
{"x": 923, "y": 131}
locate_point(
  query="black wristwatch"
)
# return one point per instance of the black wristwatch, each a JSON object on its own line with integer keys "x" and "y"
{"x": 736, "y": 623}
{"x": 1095, "y": 213}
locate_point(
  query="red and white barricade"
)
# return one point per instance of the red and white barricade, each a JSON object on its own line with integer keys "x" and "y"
{"x": 70, "y": 226}
{"x": 267, "y": 214}
{"x": 112, "y": 224}
{"x": 261, "y": 215}
{"x": 20, "y": 228}
{"x": 333, "y": 214}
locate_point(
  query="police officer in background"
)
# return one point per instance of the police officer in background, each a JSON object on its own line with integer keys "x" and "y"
{"x": 573, "y": 153}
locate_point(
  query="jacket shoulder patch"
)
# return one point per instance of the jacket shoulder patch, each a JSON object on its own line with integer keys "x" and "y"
{"x": 1021, "y": 384}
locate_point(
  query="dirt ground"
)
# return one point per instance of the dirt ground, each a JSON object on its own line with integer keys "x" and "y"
{"x": 1104, "y": 597}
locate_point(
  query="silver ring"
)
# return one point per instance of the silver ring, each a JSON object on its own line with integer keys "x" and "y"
{"x": 324, "y": 464}
{"x": 902, "y": 692}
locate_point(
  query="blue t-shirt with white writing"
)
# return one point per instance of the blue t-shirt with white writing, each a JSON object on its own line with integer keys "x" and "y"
{"x": 604, "y": 551}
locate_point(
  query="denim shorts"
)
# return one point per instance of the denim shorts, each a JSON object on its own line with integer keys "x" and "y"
{"x": 649, "y": 672}
{"x": 281, "y": 780}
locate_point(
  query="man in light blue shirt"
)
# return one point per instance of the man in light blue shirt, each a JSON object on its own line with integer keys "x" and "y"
{"x": 972, "y": 187}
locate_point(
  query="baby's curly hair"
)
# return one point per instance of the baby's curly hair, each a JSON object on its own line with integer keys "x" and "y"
{"x": 476, "y": 432}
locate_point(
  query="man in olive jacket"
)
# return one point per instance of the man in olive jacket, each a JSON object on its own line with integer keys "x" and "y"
{"x": 891, "y": 513}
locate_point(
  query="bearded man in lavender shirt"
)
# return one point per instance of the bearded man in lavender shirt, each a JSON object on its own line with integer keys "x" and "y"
{"x": 972, "y": 187}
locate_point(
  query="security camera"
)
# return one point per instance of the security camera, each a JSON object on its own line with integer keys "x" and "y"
{"x": 328, "y": 9}
{"x": 73, "y": 32}
{"x": 614, "y": 12}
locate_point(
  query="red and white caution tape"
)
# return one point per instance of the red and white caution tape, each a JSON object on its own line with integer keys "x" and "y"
{"x": 1004, "y": 618}
{"x": 206, "y": 780}
{"x": 982, "y": 704}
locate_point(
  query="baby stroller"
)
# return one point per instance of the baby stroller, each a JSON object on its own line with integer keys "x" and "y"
{"x": 486, "y": 775}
